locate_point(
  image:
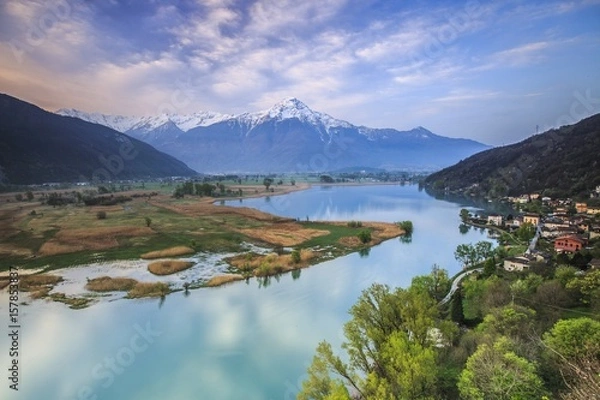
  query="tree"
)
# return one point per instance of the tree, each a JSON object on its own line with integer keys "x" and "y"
{"x": 574, "y": 346}
{"x": 364, "y": 236}
{"x": 407, "y": 227}
{"x": 390, "y": 352}
{"x": 267, "y": 182}
{"x": 436, "y": 284}
{"x": 293, "y": 182}
{"x": 148, "y": 221}
{"x": 526, "y": 232}
{"x": 19, "y": 197}
{"x": 101, "y": 215}
{"x": 497, "y": 372}
{"x": 464, "y": 215}
{"x": 29, "y": 195}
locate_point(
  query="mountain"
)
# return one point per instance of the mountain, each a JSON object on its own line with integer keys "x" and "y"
{"x": 288, "y": 137}
{"x": 37, "y": 146}
{"x": 560, "y": 162}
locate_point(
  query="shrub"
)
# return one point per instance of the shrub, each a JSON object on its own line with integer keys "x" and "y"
{"x": 101, "y": 215}
{"x": 296, "y": 258}
{"x": 364, "y": 236}
{"x": 354, "y": 224}
{"x": 407, "y": 226}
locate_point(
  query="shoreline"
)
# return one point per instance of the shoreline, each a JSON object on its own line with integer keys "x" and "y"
{"x": 264, "y": 229}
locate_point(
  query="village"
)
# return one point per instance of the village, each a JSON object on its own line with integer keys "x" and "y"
{"x": 563, "y": 231}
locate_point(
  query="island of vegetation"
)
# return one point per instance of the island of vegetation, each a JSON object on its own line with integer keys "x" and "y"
{"x": 166, "y": 223}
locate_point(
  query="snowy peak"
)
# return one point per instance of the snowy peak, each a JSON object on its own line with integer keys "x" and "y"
{"x": 144, "y": 124}
{"x": 290, "y": 108}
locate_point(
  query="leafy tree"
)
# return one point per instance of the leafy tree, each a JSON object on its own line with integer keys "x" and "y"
{"x": 19, "y": 197}
{"x": 464, "y": 215}
{"x": 390, "y": 352}
{"x": 29, "y": 195}
{"x": 526, "y": 232}
{"x": 472, "y": 254}
{"x": 574, "y": 346}
{"x": 267, "y": 182}
{"x": 148, "y": 221}
{"x": 497, "y": 373}
{"x": 293, "y": 182}
{"x": 364, "y": 236}
{"x": 588, "y": 285}
{"x": 436, "y": 284}
{"x": 407, "y": 227}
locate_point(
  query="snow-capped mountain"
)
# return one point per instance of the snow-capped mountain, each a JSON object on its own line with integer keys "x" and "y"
{"x": 287, "y": 137}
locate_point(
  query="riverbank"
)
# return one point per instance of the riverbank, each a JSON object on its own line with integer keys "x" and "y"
{"x": 57, "y": 239}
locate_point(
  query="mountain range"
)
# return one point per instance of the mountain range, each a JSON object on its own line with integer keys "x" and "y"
{"x": 558, "y": 163}
{"x": 288, "y": 137}
{"x": 37, "y": 146}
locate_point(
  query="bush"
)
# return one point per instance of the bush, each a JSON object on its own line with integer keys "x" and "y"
{"x": 364, "y": 236}
{"x": 101, "y": 215}
{"x": 407, "y": 226}
{"x": 296, "y": 258}
{"x": 354, "y": 224}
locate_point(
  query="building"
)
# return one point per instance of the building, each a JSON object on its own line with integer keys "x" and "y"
{"x": 581, "y": 208}
{"x": 495, "y": 219}
{"x": 569, "y": 243}
{"x": 516, "y": 263}
{"x": 593, "y": 210}
{"x": 533, "y": 219}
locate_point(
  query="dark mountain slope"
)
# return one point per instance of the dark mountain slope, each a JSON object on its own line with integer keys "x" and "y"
{"x": 560, "y": 162}
{"x": 37, "y": 146}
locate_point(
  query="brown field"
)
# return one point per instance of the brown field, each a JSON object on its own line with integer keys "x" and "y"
{"x": 223, "y": 279}
{"x": 108, "y": 284}
{"x": 147, "y": 289}
{"x": 270, "y": 263}
{"x": 4, "y": 282}
{"x": 168, "y": 267}
{"x": 93, "y": 238}
{"x": 284, "y": 234}
{"x": 170, "y": 252}
{"x": 34, "y": 282}
{"x": 350, "y": 241}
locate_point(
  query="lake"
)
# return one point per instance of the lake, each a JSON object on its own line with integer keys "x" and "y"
{"x": 247, "y": 340}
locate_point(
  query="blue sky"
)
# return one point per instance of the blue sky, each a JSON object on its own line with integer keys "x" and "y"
{"x": 490, "y": 71}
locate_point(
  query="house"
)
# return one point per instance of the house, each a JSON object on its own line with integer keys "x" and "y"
{"x": 581, "y": 208}
{"x": 593, "y": 210}
{"x": 569, "y": 243}
{"x": 533, "y": 219}
{"x": 495, "y": 219}
{"x": 516, "y": 263}
{"x": 553, "y": 223}
{"x": 534, "y": 196}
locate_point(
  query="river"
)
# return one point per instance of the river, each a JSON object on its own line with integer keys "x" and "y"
{"x": 245, "y": 340}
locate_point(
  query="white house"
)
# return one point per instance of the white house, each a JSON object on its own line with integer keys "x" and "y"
{"x": 516, "y": 263}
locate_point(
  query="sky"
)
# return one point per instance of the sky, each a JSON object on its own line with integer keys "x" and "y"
{"x": 493, "y": 71}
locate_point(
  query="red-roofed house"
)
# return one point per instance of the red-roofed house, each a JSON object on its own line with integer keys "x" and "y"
{"x": 570, "y": 243}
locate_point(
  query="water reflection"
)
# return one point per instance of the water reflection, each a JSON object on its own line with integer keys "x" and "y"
{"x": 236, "y": 341}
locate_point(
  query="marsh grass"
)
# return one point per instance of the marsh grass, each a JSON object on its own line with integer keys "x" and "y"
{"x": 224, "y": 279}
{"x": 34, "y": 282}
{"x": 147, "y": 289}
{"x": 168, "y": 267}
{"x": 170, "y": 252}
{"x": 73, "y": 302}
{"x": 108, "y": 284}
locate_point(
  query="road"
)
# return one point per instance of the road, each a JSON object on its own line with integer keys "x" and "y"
{"x": 456, "y": 282}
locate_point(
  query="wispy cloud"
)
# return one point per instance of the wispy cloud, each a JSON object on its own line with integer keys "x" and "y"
{"x": 358, "y": 61}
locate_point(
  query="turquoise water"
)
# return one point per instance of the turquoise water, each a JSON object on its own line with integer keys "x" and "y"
{"x": 241, "y": 341}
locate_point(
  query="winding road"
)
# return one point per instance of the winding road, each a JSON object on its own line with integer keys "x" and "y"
{"x": 456, "y": 282}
